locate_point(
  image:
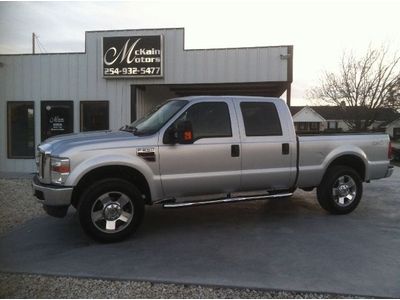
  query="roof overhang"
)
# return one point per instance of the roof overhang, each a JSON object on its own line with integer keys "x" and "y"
{"x": 271, "y": 89}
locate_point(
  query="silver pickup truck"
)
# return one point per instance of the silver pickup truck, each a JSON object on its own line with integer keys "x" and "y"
{"x": 201, "y": 150}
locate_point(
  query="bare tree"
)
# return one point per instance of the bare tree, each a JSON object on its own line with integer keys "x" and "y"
{"x": 370, "y": 82}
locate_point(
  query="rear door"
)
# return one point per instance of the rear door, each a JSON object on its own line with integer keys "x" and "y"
{"x": 208, "y": 165}
{"x": 268, "y": 160}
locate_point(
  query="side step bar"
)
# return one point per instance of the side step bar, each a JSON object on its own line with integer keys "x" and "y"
{"x": 225, "y": 200}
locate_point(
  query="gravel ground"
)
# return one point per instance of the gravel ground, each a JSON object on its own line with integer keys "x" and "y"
{"x": 17, "y": 203}
{"x": 35, "y": 286}
{"x": 18, "y": 206}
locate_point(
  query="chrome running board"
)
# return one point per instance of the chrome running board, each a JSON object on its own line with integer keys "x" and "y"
{"x": 225, "y": 200}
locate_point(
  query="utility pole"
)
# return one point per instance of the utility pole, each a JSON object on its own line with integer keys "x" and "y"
{"x": 33, "y": 42}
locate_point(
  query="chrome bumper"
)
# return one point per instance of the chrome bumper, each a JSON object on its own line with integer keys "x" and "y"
{"x": 389, "y": 171}
{"x": 51, "y": 195}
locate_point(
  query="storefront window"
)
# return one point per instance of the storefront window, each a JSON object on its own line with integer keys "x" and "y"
{"x": 94, "y": 115}
{"x": 20, "y": 129}
{"x": 57, "y": 118}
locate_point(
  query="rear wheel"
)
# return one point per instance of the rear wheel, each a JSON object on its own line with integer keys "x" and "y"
{"x": 110, "y": 210}
{"x": 340, "y": 190}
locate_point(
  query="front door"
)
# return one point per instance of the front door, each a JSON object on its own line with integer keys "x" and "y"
{"x": 57, "y": 117}
{"x": 208, "y": 166}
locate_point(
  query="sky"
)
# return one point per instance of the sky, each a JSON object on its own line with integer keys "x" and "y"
{"x": 319, "y": 30}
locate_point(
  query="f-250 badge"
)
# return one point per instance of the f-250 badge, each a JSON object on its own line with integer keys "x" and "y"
{"x": 146, "y": 153}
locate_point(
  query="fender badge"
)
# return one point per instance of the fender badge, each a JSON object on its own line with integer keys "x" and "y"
{"x": 146, "y": 153}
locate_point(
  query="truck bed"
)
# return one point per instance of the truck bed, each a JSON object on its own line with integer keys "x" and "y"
{"x": 316, "y": 152}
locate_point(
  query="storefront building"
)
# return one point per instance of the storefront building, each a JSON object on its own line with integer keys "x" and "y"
{"x": 119, "y": 78}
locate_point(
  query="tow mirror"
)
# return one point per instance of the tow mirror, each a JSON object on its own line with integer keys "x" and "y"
{"x": 170, "y": 136}
{"x": 185, "y": 132}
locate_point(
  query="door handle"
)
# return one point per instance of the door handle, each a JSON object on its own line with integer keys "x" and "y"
{"x": 285, "y": 148}
{"x": 235, "y": 151}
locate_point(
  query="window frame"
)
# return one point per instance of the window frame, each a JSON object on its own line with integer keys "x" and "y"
{"x": 207, "y": 102}
{"x": 9, "y": 155}
{"x": 262, "y": 103}
{"x": 81, "y": 103}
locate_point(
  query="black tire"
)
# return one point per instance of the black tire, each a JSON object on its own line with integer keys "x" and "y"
{"x": 103, "y": 201}
{"x": 340, "y": 190}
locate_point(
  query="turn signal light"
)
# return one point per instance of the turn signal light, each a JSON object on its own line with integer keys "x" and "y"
{"x": 60, "y": 168}
{"x": 187, "y": 136}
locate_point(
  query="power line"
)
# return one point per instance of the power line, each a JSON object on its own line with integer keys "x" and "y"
{"x": 42, "y": 46}
{"x": 36, "y": 41}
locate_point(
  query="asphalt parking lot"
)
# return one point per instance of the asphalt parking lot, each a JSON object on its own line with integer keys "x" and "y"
{"x": 284, "y": 244}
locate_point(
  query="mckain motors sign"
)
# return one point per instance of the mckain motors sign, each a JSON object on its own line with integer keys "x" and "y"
{"x": 132, "y": 56}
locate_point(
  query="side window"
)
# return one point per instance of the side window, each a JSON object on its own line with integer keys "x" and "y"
{"x": 260, "y": 119}
{"x": 209, "y": 119}
{"x": 20, "y": 129}
{"x": 94, "y": 115}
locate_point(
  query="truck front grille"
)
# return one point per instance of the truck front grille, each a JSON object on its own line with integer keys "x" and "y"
{"x": 42, "y": 164}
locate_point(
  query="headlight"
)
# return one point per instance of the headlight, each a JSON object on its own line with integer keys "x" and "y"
{"x": 60, "y": 170}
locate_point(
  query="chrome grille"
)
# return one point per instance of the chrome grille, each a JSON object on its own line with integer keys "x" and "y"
{"x": 42, "y": 164}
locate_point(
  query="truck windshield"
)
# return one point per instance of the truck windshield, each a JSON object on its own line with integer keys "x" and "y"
{"x": 156, "y": 119}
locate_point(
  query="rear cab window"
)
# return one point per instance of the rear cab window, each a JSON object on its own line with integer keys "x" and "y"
{"x": 260, "y": 119}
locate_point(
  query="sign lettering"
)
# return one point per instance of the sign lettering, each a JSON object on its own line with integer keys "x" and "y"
{"x": 140, "y": 56}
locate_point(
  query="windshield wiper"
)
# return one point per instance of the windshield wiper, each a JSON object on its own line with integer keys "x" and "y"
{"x": 128, "y": 128}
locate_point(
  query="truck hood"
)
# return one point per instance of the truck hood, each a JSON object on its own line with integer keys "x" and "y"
{"x": 91, "y": 140}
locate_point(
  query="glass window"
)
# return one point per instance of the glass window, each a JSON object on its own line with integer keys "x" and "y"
{"x": 57, "y": 117}
{"x": 209, "y": 120}
{"x": 156, "y": 119}
{"x": 21, "y": 130}
{"x": 314, "y": 125}
{"x": 260, "y": 119}
{"x": 332, "y": 125}
{"x": 94, "y": 115}
{"x": 301, "y": 125}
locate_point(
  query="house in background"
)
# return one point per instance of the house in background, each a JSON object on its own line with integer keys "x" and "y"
{"x": 393, "y": 129}
{"x": 316, "y": 119}
{"x": 307, "y": 120}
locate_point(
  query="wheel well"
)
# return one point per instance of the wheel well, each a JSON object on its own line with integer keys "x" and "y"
{"x": 122, "y": 172}
{"x": 351, "y": 161}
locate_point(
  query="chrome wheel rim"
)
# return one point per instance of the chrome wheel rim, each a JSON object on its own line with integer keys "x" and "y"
{"x": 344, "y": 190}
{"x": 112, "y": 212}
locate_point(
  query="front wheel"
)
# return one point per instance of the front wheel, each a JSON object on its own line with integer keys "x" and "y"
{"x": 110, "y": 210}
{"x": 340, "y": 190}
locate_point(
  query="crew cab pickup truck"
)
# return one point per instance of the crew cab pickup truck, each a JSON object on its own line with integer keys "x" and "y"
{"x": 201, "y": 150}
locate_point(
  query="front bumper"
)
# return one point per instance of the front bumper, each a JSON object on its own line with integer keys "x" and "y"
{"x": 53, "y": 198}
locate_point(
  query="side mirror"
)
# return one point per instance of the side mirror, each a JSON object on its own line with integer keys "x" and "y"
{"x": 170, "y": 136}
{"x": 185, "y": 132}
